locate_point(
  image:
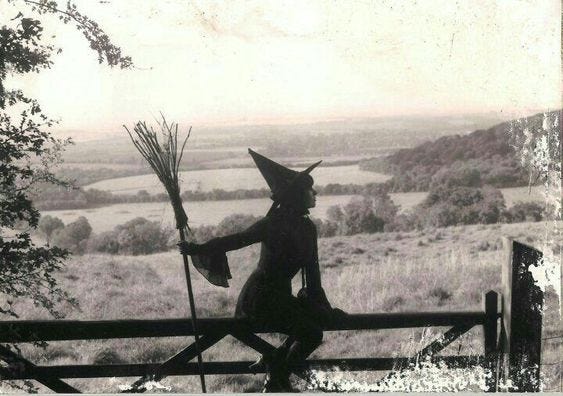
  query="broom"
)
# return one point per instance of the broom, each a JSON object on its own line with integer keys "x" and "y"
{"x": 164, "y": 159}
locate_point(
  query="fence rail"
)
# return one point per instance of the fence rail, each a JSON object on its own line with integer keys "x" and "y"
{"x": 66, "y": 330}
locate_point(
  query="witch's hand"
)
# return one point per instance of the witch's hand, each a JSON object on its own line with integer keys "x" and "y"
{"x": 188, "y": 248}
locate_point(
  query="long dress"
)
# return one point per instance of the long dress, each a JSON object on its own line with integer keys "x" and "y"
{"x": 288, "y": 244}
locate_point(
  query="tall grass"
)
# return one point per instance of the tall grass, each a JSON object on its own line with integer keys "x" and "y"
{"x": 361, "y": 274}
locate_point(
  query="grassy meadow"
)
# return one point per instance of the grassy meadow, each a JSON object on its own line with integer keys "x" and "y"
{"x": 442, "y": 269}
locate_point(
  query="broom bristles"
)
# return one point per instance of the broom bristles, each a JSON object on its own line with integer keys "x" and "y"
{"x": 164, "y": 159}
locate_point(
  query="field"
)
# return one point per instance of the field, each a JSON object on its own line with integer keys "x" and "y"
{"x": 441, "y": 269}
{"x": 233, "y": 179}
{"x": 199, "y": 212}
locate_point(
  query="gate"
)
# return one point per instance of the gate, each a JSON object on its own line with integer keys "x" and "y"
{"x": 512, "y": 338}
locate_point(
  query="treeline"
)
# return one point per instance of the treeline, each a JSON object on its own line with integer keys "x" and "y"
{"x": 344, "y": 143}
{"x": 484, "y": 157}
{"x": 359, "y": 136}
{"x": 498, "y": 172}
{"x": 81, "y": 176}
{"x": 443, "y": 207}
{"x": 57, "y": 198}
{"x": 137, "y": 236}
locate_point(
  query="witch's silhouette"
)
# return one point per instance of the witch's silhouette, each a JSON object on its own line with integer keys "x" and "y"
{"x": 288, "y": 244}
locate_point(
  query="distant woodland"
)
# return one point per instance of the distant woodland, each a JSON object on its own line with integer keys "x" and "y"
{"x": 484, "y": 157}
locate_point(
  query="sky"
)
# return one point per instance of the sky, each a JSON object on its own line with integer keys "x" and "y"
{"x": 252, "y": 62}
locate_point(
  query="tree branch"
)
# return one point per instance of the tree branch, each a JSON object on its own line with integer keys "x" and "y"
{"x": 58, "y": 10}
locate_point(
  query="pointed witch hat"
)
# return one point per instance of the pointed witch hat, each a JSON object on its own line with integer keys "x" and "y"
{"x": 280, "y": 179}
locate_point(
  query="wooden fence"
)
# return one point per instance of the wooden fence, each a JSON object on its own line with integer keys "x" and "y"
{"x": 512, "y": 338}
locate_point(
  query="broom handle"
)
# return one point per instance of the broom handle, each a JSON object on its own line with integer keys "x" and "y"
{"x": 194, "y": 319}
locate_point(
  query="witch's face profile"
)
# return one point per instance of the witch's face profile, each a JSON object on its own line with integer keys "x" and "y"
{"x": 310, "y": 198}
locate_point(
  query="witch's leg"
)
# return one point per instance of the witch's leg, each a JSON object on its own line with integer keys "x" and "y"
{"x": 287, "y": 314}
{"x": 308, "y": 338}
{"x": 304, "y": 337}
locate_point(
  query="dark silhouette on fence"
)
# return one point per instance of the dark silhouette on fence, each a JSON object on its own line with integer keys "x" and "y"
{"x": 512, "y": 338}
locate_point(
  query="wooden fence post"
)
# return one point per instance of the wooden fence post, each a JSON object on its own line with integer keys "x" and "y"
{"x": 490, "y": 302}
{"x": 522, "y": 318}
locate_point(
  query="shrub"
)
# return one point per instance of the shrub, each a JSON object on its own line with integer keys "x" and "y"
{"x": 384, "y": 207}
{"x": 105, "y": 242}
{"x": 459, "y": 174}
{"x": 142, "y": 236}
{"x": 48, "y": 225}
{"x": 74, "y": 236}
{"x": 204, "y": 233}
{"x": 137, "y": 236}
{"x": 367, "y": 214}
{"x": 402, "y": 222}
{"x": 229, "y": 225}
{"x": 359, "y": 216}
{"x": 449, "y": 206}
{"x": 525, "y": 211}
{"x": 325, "y": 228}
{"x": 235, "y": 223}
{"x": 335, "y": 214}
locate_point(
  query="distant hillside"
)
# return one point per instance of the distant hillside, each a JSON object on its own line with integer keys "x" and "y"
{"x": 356, "y": 138}
{"x": 491, "y": 156}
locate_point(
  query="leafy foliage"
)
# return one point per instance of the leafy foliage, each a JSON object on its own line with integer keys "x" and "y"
{"x": 25, "y": 269}
{"x": 97, "y": 39}
{"x": 28, "y": 152}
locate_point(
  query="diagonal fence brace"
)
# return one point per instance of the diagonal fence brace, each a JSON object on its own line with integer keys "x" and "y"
{"x": 17, "y": 362}
{"x": 443, "y": 341}
{"x": 431, "y": 349}
{"x": 258, "y": 344}
{"x": 184, "y": 356}
{"x": 253, "y": 341}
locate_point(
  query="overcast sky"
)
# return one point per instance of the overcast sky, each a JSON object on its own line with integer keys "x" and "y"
{"x": 272, "y": 61}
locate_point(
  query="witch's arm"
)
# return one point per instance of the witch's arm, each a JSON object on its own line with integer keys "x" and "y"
{"x": 314, "y": 288}
{"x": 316, "y": 293}
{"x": 252, "y": 234}
{"x": 313, "y": 276}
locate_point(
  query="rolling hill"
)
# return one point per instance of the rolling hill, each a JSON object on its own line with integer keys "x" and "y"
{"x": 492, "y": 156}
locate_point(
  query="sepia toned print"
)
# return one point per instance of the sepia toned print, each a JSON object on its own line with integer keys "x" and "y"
{"x": 280, "y": 196}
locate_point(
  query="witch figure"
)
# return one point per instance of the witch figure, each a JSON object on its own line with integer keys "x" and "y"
{"x": 288, "y": 240}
